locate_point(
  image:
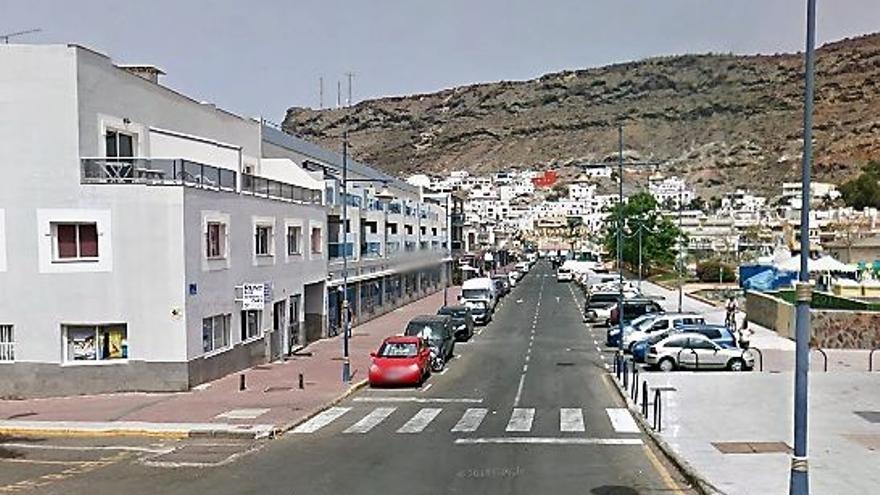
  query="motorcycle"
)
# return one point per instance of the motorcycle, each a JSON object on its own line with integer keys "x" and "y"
{"x": 437, "y": 361}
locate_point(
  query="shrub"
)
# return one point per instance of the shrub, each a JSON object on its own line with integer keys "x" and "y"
{"x": 711, "y": 270}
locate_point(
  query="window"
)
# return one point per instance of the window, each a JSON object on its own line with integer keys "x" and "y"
{"x": 392, "y": 228}
{"x": 676, "y": 343}
{"x": 215, "y": 240}
{"x": 434, "y": 231}
{"x": 263, "y": 240}
{"x": 119, "y": 144}
{"x": 250, "y": 323}
{"x": 316, "y": 241}
{"x": 75, "y": 241}
{"x": 423, "y": 230}
{"x": 215, "y": 332}
{"x": 294, "y": 240}
{"x": 95, "y": 342}
{"x": 711, "y": 333}
{"x": 7, "y": 343}
{"x": 408, "y": 229}
{"x": 701, "y": 344}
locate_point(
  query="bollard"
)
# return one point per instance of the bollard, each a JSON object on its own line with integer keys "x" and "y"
{"x": 645, "y": 399}
{"x": 301, "y": 382}
{"x": 625, "y": 376}
{"x": 241, "y": 383}
{"x": 658, "y": 419}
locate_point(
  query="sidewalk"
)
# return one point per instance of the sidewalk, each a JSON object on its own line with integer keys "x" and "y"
{"x": 271, "y": 403}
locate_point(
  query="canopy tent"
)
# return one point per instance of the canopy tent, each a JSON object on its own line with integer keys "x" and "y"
{"x": 823, "y": 264}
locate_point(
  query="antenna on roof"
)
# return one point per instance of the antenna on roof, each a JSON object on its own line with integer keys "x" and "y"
{"x": 321, "y": 93}
{"x": 18, "y": 33}
{"x": 338, "y": 93}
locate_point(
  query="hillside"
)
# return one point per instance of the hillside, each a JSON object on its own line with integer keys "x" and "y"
{"x": 725, "y": 121}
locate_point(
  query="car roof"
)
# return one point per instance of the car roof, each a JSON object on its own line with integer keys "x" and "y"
{"x": 688, "y": 334}
{"x": 429, "y": 318}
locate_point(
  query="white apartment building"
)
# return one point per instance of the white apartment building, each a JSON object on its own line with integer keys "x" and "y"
{"x": 146, "y": 244}
{"x": 742, "y": 201}
{"x": 819, "y": 191}
{"x": 672, "y": 190}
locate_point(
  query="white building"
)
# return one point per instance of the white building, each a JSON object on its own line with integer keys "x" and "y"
{"x": 819, "y": 191}
{"x": 742, "y": 201}
{"x": 670, "y": 191}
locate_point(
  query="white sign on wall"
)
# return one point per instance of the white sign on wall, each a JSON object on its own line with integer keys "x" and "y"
{"x": 253, "y": 296}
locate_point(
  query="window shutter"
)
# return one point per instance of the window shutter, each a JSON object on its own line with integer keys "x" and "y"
{"x": 66, "y": 239}
{"x": 88, "y": 240}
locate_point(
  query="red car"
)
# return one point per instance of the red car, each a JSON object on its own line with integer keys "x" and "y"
{"x": 400, "y": 360}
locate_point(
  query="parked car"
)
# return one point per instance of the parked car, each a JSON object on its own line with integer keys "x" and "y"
{"x": 719, "y": 334}
{"x": 400, "y": 361}
{"x": 658, "y": 324}
{"x": 597, "y": 308}
{"x": 479, "y": 289}
{"x": 502, "y": 285}
{"x": 640, "y": 322}
{"x": 564, "y": 274}
{"x": 523, "y": 267}
{"x": 696, "y": 351}
{"x": 436, "y": 330}
{"x": 462, "y": 321}
{"x": 513, "y": 278}
{"x": 480, "y": 311}
{"x": 632, "y": 309}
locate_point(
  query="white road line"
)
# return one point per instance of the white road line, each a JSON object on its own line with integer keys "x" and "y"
{"x": 321, "y": 420}
{"x": 426, "y": 388}
{"x": 525, "y": 368}
{"x": 420, "y": 400}
{"x": 549, "y": 441}
{"x": 622, "y": 420}
{"x": 122, "y": 448}
{"x": 519, "y": 389}
{"x": 420, "y": 421}
{"x": 521, "y": 419}
{"x": 571, "y": 420}
{"x": 371, "y": 420}
{"x": 470, "y": 420}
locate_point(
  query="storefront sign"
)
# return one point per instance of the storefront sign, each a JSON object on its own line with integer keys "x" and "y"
{"x": 253, "y": 296}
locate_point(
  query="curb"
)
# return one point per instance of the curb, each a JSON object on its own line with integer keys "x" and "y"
{"x": 133, "y": 432}
{"x": 693, "y": 476}
{"x": 293, "y": 424}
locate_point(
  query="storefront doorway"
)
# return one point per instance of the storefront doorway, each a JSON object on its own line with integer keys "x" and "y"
{"x": 279, "y": 327}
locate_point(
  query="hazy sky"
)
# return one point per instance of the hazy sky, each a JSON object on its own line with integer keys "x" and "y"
{"x": 258, "y": 57}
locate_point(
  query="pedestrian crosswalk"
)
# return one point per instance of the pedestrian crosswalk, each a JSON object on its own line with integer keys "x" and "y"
{"x": 568, "y": 420}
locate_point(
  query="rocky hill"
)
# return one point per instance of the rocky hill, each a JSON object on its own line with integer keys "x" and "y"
{"x": 725, "y": 121}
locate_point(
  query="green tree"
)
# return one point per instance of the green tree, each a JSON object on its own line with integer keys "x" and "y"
{"x": 715, "y": 270}
{"x": 864, "y": 190}
{"x": 660, "y": 236}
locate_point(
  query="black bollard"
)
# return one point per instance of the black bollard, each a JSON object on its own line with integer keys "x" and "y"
{"x": 241, "y": 383}
{"x": 301, "y": 382}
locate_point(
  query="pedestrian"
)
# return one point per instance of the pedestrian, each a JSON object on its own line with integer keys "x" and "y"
{"x": 745, "y": 334}
{"x": 730, "y": 319}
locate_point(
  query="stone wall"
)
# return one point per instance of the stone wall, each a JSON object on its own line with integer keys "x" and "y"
{"x": 836, "y": 329}
{"x": 770, "y": 312}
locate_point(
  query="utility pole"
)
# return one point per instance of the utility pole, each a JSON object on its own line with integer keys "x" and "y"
{"x": 640, "y": 258}
{"x": 620, "y": 233}
{"x": 349, "y": 75}
{"x": 682, "y": 259}
{"x": 799, "y": 480}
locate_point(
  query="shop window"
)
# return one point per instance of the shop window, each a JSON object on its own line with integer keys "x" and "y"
{"x": 75, "y": 241}
{"x": 215, "y": 332}
{"x": 250, "y": 324}
{"x": 263, "y": 240}
{"x": 215, "y": 239}
{"x": 316, "y": 241}
{"x": 7, "y": 343}
{"x": 294, "y": 240}
{"x": 95, "y": 342}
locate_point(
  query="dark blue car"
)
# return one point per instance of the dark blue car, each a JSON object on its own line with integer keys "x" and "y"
{"x": 719, "y": 334}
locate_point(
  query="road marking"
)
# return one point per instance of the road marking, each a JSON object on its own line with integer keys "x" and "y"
{"x": 661, "y": 469}
{"x": 525, "y": 368}
{"x": 420, "y": 421}
{"x": 425, "y": 400}
{"x": 426, "y": 388}
{"x": 321, "y": 420}
{"x": 470, "y": 420}
{"x": 521, "y": 419}
{"x": 371, "y": 420}
{"x": 622, "y": 420}
{"x": 88, "y": 448}
{"x": 549, "y": 441}
{"x": 519, "y": 389}
{"x": 571, "y": 420}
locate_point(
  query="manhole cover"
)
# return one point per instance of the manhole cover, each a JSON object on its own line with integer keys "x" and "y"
{"x": 752, "y": 447}
{"x": 869, "y": 416}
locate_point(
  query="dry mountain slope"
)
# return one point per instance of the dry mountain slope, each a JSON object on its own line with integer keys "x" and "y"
{"x": 726, "y": 120}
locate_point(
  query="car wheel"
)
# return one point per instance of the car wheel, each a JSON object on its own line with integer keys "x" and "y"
{"x": 666, "y": 365}
{"x": 736, "y": 364}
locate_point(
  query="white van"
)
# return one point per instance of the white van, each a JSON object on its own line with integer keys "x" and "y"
{"x": 564, "y": 274}
{"x": 479, "y": 289}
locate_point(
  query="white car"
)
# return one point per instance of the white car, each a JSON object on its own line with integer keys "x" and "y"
{"x": 659, "y": 323}
{"x": 513, "y": 277}
{"x": 564, "y": 275}
{"x": 696, "y": 351}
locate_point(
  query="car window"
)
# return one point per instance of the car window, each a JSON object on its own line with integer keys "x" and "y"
{"x": 659, "y": 325}
{"x": 398, "y": 350}
{"x": 676, "y": 343}
{"x": 701, "y": 344}
{"x": 712, "y": 333}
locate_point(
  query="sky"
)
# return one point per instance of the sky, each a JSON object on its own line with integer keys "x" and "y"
{"x": 259, "y": 57}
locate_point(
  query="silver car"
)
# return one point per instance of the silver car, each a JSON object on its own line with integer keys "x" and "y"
{"x": 696, "y": 351}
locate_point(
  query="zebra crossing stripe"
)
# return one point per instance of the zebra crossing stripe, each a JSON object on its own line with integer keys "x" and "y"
{"x": 321, "y": 420}
{"x": 420, "y": 421}
{"x": 470, "y": 420}
{"x": 371, "y": 420}
{"x": 521, "y": 419}
{"x": 622, "y": 421}
{"x": 571, "y": 420}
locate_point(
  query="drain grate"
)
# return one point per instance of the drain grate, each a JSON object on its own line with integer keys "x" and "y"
{"x": 869, "y": 416}
{"x": 752, "y": 447}
{"x": 565, "y": 363}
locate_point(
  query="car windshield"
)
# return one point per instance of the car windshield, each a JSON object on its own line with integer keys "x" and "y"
{"x": 455, "y": 313}
{"x": 398, "y": 350}
{"x": 473, "y": 293}
{"x": 430, "y": 331}
{"x": 643, "y": 322}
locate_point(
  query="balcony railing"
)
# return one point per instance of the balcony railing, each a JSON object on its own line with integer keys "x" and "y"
{"x": 372, "y": 249}
{"x": 161, "y": 171}
{"x": 268, "y": 188}
{"x": 394, "y": 208}
{"x": 336, "y": 249}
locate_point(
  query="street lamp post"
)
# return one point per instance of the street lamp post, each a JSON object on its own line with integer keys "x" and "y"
{"x": 448, "y": 251}
{"x": 640, "y": 258}
{"x": 682, "y": 260}
{"x": 799, "y": 481}
{"x": 620, "y": 234}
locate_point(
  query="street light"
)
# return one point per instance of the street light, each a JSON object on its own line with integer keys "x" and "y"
{"x": 799, "y": 480}
{"x": 383, "y": 196}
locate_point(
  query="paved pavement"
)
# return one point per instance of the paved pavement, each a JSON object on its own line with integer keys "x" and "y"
{"x": 750, "y": 413}
{"x": 271, "y": 402}
{"x": 525, "y": 407}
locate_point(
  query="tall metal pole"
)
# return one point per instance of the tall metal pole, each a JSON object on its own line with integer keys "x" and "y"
{"x": 620, "y": 233}
{"x": 799, "y": 481}
{"x": 681, "y": 266}
{"x": 346, "y": 364}
{"x": 640, "y": 258}
{"x": 449, "y": 252}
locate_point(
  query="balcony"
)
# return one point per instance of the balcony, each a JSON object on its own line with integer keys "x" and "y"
{"x": 337, "y": 250}
{"x": 268, "y": 188}
{"x": 156, "y": 171}
{"x": 371, "y": 249}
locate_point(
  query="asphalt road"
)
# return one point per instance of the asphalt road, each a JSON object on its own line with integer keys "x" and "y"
{"x": 526, "y": 407}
